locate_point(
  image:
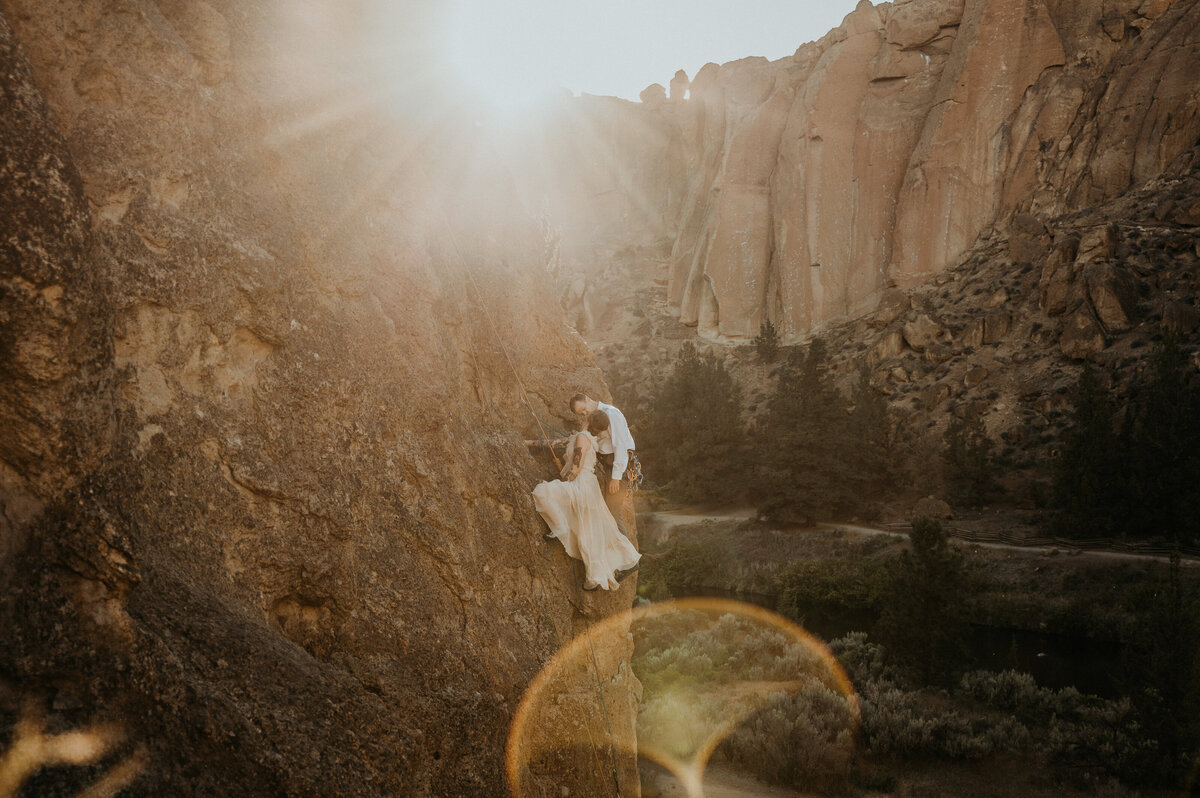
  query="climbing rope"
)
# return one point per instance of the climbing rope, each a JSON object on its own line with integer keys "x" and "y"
{"x": 500, "y": 342}
{"x": 541, "y": 426}
{"x": 587, "y": 626}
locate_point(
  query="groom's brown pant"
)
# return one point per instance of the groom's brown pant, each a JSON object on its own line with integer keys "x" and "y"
{"x": 620, "y": 504}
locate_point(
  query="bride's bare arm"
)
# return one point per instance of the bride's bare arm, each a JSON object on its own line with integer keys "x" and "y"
{"x": 582, "y": 444}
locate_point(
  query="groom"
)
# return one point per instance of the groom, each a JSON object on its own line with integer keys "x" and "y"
{"x": 612, "y": 460}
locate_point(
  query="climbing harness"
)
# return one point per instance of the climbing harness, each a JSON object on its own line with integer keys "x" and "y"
{"x": 633, "y": 472}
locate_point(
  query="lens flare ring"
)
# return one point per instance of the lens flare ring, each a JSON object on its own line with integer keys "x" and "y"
{"x": 570, "y": 663}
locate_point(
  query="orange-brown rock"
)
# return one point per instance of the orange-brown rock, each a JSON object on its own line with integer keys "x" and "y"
{"x": 1082, "y": 335}
{"x": 1113, "y": 294}
{"x": 265, "y": 494}
{"x": 878, "y": 155}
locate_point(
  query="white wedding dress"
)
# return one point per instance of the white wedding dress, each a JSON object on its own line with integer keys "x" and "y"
{"x": 578, "y": 517}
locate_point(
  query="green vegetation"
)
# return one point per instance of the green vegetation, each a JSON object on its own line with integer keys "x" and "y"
{"x": 698, "y": 671}
{"x": 970, "y": 466}
{"x": 766, "y": 343}
{"x": 822, "y": 456}
{"x": 695, "y": 441}
{"x": 926, "y": 606}
{"x": 834, "y": 585}
{"x": 1089, "y": 489}
{"x": 678, "y": 570}
{"x": 692, "y": 665}
{"x": 1140, "y": 482}
{"x": 921, "y": 699}
{"x": 1163, "y": 671}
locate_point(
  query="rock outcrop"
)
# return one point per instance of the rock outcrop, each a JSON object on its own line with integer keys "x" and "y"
{"x": 265, "y": 499}
{"x": 877, "y": 156}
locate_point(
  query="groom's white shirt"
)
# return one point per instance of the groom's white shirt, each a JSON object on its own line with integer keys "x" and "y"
{"x": 619, "y": 440}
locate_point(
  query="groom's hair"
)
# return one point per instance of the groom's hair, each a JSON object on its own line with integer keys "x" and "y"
{"x": 579, "y": 397}
{"x": 597, "y": 422}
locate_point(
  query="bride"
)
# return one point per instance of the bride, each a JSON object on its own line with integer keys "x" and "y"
{"x": 575, "y": 511}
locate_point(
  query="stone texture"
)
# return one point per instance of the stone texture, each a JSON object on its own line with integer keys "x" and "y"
{"x": 989, "y": 329}
{"x": 892, "y": 305}
{"x": 1028, "y": 240}
{"x": 907, "y": 133}
{"x": 1098, "y": 245}
{"x": 1082, "y": 335}
{"x": 266, "y": 503}
{"x": 653, "y": 95}
{"x": 1113, "y": 293}
{"x": 1180, "y": 317}
{"x": 889, "y": 346}
{"x": 974, "y": 376}
{"x": 679, "y": 86}
{"x": 934, "y": 395}
{"x": 1057, "y": 286}
{"x": 922, "y": 331}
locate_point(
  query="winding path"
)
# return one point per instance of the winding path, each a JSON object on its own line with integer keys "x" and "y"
{"x": 669, "y": 520}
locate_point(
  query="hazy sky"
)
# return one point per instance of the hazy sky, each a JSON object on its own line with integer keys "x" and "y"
{"x": 515, "y": 50}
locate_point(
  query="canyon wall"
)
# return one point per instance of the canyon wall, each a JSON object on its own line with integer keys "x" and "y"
{"x": 878, "y": 155}
{"x": 273, "y": 325}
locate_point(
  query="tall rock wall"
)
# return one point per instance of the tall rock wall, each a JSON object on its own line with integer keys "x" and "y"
{"x": 271, "y": 332}
{"x": 877, "y": 156}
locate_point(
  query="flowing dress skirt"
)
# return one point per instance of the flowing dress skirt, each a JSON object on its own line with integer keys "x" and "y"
{"x": 577, "y": 515}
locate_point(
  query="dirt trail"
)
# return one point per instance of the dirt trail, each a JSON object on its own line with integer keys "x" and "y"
{"x": 669, "y": 520}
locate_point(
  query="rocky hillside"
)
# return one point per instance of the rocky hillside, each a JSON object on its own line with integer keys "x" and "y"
{"x": 969, "y": 197}
{"x": 265, "y": 505}
{"x": 877, "y": 156}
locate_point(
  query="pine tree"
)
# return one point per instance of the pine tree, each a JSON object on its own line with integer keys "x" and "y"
{"x": 1091, "y": 496}
{"x": 767, "y": 342}
{"x": 925, "y": 610}
{"x": 970, "y": 467}
{"x": 696, "y": 437}
{"x": 867, "y": 446}
{"x": 1162, "y": 663}
{"x": 1166, "y": 449}
{"x": 802, "y": 440}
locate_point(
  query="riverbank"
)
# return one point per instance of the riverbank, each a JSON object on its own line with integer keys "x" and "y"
{"x": 1092, "y": 596}
{"x": 1062, "y": 619}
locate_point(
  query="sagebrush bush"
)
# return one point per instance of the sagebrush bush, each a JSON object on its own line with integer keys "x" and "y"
{"x": 804, "y": 739}
{"x": 699, "y": 673}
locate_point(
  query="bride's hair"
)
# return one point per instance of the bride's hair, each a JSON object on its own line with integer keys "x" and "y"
{"x": 597, "y": 422}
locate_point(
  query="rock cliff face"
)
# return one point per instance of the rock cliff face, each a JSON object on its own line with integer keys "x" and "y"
{"x": 877, "y": 156}
{"x": 265, "y": 502}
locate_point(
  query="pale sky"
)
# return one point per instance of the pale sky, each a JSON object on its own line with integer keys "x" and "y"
{"x": 512, "y": 51}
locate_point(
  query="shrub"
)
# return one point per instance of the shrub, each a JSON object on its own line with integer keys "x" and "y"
{"x": 682, "y": 568}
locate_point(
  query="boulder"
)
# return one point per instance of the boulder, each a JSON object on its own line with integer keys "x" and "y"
{"x": 972, "y": 410}
{"x": 989, "y": 329}
{"x": 922, "y": 331}
{"x": 974, "y": 376}
{"x": 653, "y": 95}
{"x": 997, "y": 299}
{"x": 1058, "y": 292}
{"x": 1186, "y": 212}
{"x": 1180, "y": 317}
{"x": 933, "y": 396}
{"x": 889, "y": 346}
{"x": 1113, "y": 293}
{"x": 939, "y": 352}
{"x": 1098, "y": 244}
{"x": 1082, "y": 335}
{"x": 892, "y": 305}
{"x": 1028, "y": 240}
